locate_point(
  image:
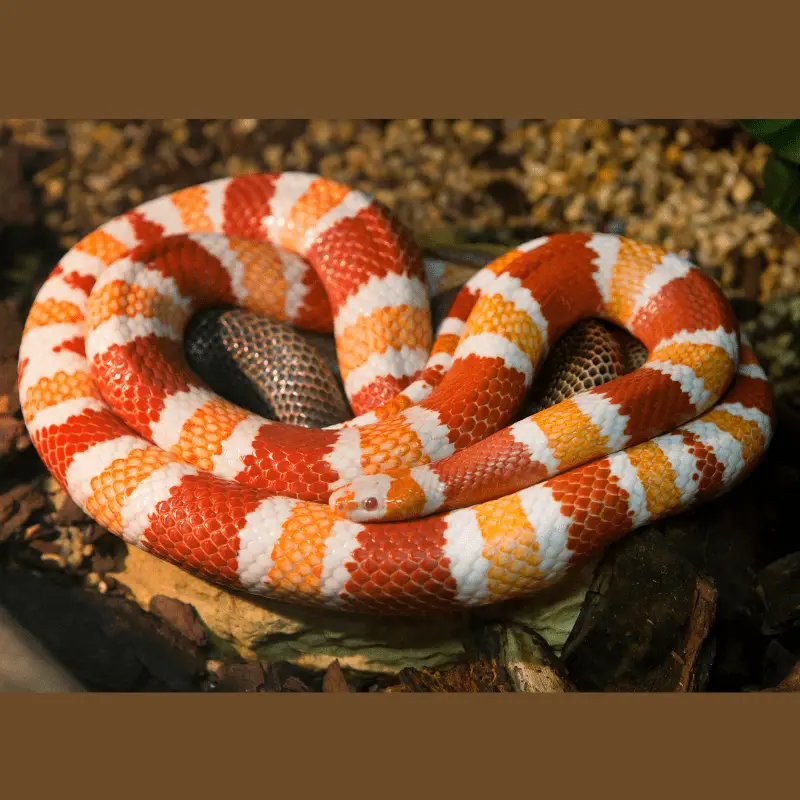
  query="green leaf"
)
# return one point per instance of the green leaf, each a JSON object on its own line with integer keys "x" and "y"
{"x": 761, "y": 128}
{"x": 782, "y": 189}
{"x": 786, "y": 143}
{"x": 782, "y": 135}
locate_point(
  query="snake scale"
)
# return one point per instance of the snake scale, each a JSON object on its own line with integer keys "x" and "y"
{"x": 436, "y": 495}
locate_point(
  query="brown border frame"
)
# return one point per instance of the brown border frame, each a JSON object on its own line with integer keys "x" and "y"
{"x": 90, "y": 59}
{"x": 368, "y": 745}
{"x": 681, "y": 59}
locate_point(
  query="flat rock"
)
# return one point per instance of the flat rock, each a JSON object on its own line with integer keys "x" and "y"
{"x": 272, "y": 631}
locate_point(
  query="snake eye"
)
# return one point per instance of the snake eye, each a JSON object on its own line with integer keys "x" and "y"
{"x": 370, "y": 504}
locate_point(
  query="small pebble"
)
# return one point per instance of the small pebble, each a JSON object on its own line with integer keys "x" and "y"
{"x": 742, "y": 190}
{"x": 55, "y": 560}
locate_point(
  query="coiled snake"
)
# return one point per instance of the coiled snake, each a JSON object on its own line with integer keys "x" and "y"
{"x": 433, "y": 497}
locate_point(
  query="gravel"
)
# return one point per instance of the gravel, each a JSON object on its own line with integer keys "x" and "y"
{"x": 692, "y": 186}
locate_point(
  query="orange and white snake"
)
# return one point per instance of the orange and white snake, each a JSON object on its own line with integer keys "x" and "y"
{"x": 430, "y": 499}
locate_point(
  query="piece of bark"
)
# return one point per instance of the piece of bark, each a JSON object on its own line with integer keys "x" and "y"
{"x": 477, "y": 676}
{"x": 95, "y": 533}
{"x": 181, "y": 616}
{"x": 334, "y": 680}
{"x": 702, "y": 618}
{"x": 645, "y": 622}
{"x": 13, "y": 436}
{"x": 272, "y": 678}
{"x": 45, "y": 546}
{"x": 530, "y": 663}
{"x": 247, "y": 677}
{"x": 166, "y": 654}
{"x": 503, "y": 657}
{"x": 105, "y": 562}
{"x": 70, "y": 513}
{"x": 294, "y": 684}
{"x": 17, "y": 504}
{"x": 283, "y": 676}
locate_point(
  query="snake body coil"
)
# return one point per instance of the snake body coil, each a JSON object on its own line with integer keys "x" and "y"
{"x": 433, "y": 497}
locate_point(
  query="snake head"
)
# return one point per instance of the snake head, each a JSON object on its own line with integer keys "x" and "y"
{"x": 362, "y": 500}
{"x": 389, "y": 496}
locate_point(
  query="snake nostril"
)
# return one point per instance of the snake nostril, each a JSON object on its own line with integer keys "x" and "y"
{"x": 370, "y": 504}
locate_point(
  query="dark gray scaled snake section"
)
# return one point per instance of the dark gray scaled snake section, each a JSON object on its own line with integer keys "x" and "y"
{"x": 292, "y": 376}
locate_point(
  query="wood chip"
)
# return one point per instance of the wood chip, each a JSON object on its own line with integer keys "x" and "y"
{"x": 16, "y": 507}
{"x": 70, "y": 513}
{"x": 181, "y": 616}
{"x": 294, "y": 684}
{"x": 334, "y": 680}
{"x": 475, "y": 677}
{"x": 247, "y": 677}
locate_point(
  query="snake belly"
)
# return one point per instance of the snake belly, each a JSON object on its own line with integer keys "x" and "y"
{"x": 489, "y": 508}
{"x": 290, "y": 375}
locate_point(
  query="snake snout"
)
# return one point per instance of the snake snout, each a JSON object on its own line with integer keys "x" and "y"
{"x": 362, "y": 500}
{"x": 343, "y": 502}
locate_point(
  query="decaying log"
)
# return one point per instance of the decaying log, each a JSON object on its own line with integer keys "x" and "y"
{"x": 645, "y": 623}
